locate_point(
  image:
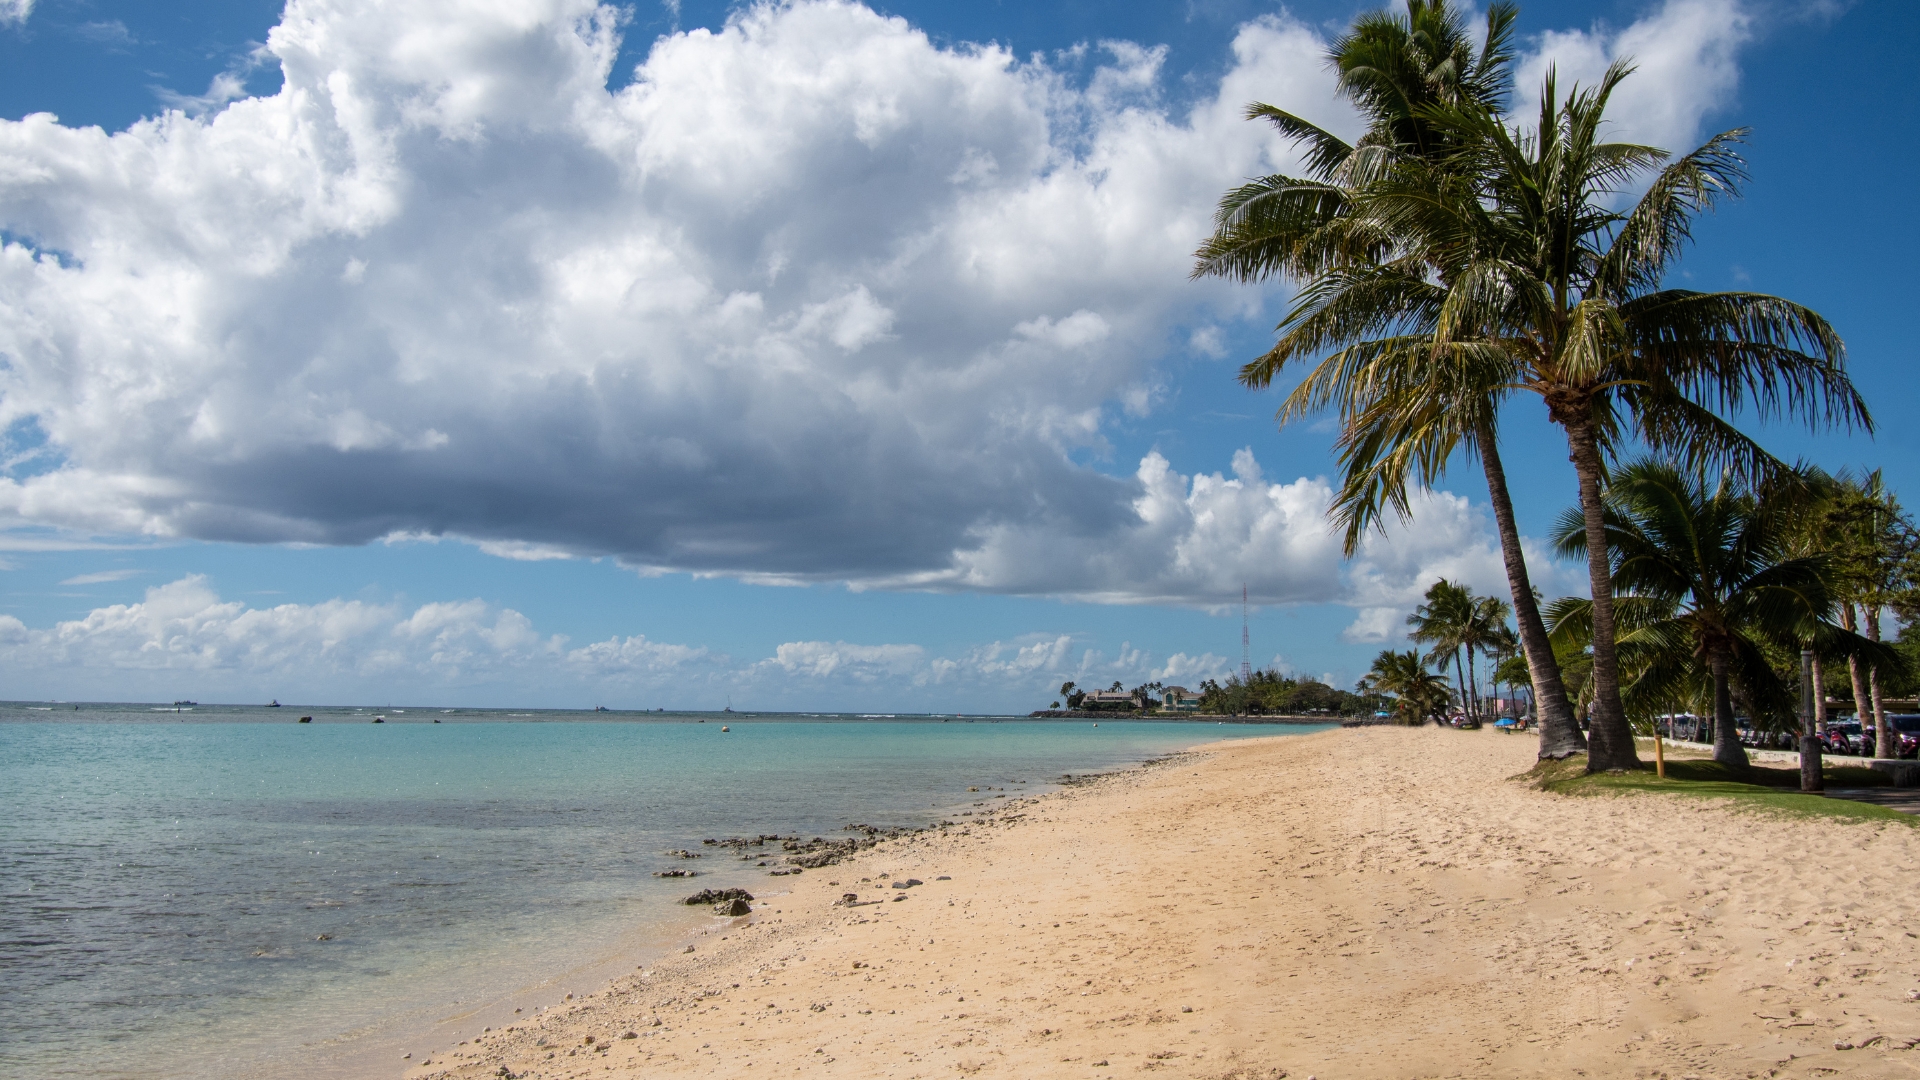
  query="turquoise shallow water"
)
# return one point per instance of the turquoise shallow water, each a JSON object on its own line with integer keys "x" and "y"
{"x": 225, "y": 893}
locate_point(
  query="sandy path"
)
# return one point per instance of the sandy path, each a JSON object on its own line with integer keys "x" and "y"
{"x": 1354, "y": 904}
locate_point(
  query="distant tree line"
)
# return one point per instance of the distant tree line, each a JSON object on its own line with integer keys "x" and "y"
{"x": 1269, "y": 693}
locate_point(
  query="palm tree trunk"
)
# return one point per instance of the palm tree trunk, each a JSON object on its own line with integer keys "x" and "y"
{"x": 1883, "y": 738}
{"x": 1819, "y": 697}
{"x": 1860, "y": 698}
{"x": 1473, "y": 681}
{"x": 1560, "y": 735}
{"x": 1726, "y": 736}
{"x": 1460, "y": 679}
{"x": 1609, "y": 739}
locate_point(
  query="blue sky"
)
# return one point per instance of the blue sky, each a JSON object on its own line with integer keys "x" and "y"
{"x": 830, "y": 364}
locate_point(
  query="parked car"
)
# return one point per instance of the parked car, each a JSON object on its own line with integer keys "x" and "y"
{"x": 1843, "y": 737}
{"x": 1687, "y": 727}
{"x": 1906, "y": 733}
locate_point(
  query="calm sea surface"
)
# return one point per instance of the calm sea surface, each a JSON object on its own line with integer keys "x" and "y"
{"x": 223, "y": 892}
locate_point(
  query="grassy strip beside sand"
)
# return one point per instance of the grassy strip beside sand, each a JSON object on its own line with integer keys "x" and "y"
{"x": 1761, "y": 787}
{"x": 1365, "y": 903}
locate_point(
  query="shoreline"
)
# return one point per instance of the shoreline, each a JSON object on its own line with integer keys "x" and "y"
{"x": 1180, "y": 718}
{"x": 1358, "y": 903}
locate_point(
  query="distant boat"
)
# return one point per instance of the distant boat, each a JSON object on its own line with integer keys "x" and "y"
{"x": 274, "y": 704}
{"x": 179, "y": 704}
{"x": 601, "y": 708}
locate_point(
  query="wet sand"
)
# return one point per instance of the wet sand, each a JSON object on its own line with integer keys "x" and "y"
{"x": 1365, "y": 903}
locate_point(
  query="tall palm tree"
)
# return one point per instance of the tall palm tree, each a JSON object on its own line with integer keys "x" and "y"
{"x": 1512, "y": 671}
{"x": 1710, "y": 567}
{"x": 1395, "y": 69}
{"x": 1876, "y": 546}
{"x": 1444, "y": 622}
{"x": 1487, "y": 635}
{"x": 1420, "y": 695}
{"x": 1516, "y": 274}
{"x": 1805, "y": 522}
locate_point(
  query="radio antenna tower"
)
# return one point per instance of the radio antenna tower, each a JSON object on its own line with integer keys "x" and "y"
{"x": 1246, "y": 642}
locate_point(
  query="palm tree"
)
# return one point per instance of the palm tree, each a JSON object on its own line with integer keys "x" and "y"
{"x": 1488, "y": 634}
{"x": 1443, "y": 623}
{"x": 1421, "y": 695}
{"x": 1512, "y": 671}
{"x": 1805, "y": 523}
{"x": 1395, "y": 69}
{"x": 1461, "y": 625}
{"x": 1515, "y": 274}
{"x": 1877, "y": 547}
{"x": 1657, "y": 662}
{"x": 1710, "y": 568}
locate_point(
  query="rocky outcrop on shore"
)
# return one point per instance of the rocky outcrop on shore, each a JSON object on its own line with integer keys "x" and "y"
{"x": 797, "y": 854}
{"x": 717, "y": 896}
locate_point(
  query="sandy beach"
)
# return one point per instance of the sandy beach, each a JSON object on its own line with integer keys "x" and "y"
{"x": 1366, "y": 903}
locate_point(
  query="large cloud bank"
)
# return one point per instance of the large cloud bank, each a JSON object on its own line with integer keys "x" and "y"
{"x": 811, "y": 297}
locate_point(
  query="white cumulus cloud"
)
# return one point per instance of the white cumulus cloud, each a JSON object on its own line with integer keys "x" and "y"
{"x": 1198, "y": 540}
{"x": 1685, "y": 55}
{"x": 185, "y": 633}
{"x": 184, "y": 639}
{"x": 810, "y": 297}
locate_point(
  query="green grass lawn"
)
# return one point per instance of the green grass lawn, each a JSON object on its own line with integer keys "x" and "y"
{"x": 1767, "y": 788}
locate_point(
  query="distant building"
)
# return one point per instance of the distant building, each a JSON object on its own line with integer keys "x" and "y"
{"x": 1179, "y": 699}
{"x": 1108, "y": 699}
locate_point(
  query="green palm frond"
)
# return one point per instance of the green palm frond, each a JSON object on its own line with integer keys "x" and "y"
{"x": 1660, "y": 225}
{"x": 1325, "y": 152}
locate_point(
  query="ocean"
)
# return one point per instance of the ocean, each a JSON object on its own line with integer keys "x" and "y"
{"x": 221, "y": 892}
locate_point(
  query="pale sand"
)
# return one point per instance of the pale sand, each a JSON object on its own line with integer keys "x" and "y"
{"x": 1353, "y": 904}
